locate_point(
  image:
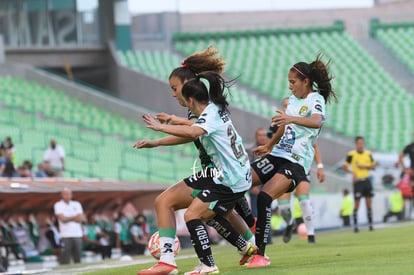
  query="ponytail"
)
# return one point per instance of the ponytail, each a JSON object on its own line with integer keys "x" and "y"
{"x": 213, "y": 90}
{"x": 217, "y": 89}
{"x": 199, "y": 62}
{"x": 318, "y": 74}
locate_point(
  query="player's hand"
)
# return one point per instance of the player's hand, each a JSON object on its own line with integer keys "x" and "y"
{"x": 354, "y": 178}
{"x": 320, "y": 173}
{"x": 281, "y": 119}
{"x": 163, "y": 117}
{"x": 151, "y": 122}
{"x": 360, "y": 166}
{"x": 145, "y": 144}
{"x": 261, "y": 150}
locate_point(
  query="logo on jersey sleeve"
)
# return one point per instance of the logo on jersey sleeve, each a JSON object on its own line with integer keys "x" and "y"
{"x": 201, "y": 120}
{"x": 318, "y": 107}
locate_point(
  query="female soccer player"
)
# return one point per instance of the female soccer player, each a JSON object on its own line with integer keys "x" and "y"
{"x": 289, "y": 161}
{"x": 179, "y": 196}
{"x": 302, "y": 193}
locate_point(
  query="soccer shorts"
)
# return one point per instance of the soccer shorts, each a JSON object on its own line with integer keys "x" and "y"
{"x": 269, "y": 165}
{"x": 221, "y": 198}
{"x": 363, "y": 188}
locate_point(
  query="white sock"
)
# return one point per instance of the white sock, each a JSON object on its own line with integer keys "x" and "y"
{"x": 307, "y": 214}
{"x": 286, "y": 213}
{"x": 167, "y": 246}
{"x": 252, "y": 240}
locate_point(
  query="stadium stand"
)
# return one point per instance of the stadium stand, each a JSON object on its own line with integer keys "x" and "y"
{"x": 240, "y": 97}
{"x": 98, "y": 143}
{"x": 398, "y": 37}
{"x": 159, "y": 64}
{"x": 262, "y": 60}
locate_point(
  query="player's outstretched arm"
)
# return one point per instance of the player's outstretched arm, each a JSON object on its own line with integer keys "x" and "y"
{"x": 166, "y": 141}
{"x": 173, "y": 119}
{"x": 263, "y": 150}
{"x": 176, "y": 130}
{"x": 314, "y": 121}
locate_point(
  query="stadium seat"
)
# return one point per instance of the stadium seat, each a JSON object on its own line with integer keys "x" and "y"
{"x": 94, "y": 139}
{"x": 398, "y": 37}
{"x": 262, "y": 61}
{"x": 159, "y": 64}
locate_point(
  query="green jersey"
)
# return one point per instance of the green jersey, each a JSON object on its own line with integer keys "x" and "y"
{"x": 297, "y": 142}
{"x": 225, "y": 148}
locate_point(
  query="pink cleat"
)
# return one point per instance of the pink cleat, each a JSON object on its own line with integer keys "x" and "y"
{"x": 160, "y": 268}
{"x": 258, "y": 261}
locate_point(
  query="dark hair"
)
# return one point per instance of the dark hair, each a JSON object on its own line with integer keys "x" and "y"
{"x": 138, "y": 216}
{"x": 318, "y": 73}
{"x": 358, "y": 138}
{"x": 260, "y": 129}
{"x": 28, "y": 164}
{"x": 199, "y": 62}
{"x": 196, "y": 89}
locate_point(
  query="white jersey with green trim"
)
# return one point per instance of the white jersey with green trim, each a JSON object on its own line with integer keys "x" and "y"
{"x": 297, "y": 142}
{"x": 225, "y": 147}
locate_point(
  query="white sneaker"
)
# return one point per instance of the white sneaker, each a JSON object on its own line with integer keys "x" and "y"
{"x": 203, "y": 269}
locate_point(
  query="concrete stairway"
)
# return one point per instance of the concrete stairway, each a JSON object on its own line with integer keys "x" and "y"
{"x": 389, "y": 62}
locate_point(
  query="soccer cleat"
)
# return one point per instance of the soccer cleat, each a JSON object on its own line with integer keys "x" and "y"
{"x": 287, "y": 234}
{"x": 247, "y": 253}
{"x": 356, "y": 230}
{"x": 258, "y": 261}
{"x": 311, "y": 239}
{"x": 371, "y": 228}
{"x": 160, "y": 268}
{"x": 203, "y": 269}
{"x": 253, "y": 228}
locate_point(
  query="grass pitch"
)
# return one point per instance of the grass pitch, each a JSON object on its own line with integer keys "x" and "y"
{"x": 383, "y": 251}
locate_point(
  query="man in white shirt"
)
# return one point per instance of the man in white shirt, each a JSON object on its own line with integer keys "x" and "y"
{"x": 55, "y": 154}
{"x": 70, "y": 216}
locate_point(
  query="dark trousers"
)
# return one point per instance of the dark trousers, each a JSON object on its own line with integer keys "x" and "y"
{"x": 104, "y": 250}
{"x": 346, "y": 220}
{"x": 390, "y": 214}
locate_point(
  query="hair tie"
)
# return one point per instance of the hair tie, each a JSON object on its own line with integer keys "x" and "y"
{"x": 183, "y": 64}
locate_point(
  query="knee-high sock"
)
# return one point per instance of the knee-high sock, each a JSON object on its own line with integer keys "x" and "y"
{"x": 201, "y": 241}
{"x": 249, "y": 237}
{"x": 307, "y": 214}
{"x": 264, "y": 214}
{"x": 167, "y": 243}
{"x": 355, "y": 215}
{"x": 242, "y": 207}
{"x": 227, "y": 231}
{"x": 285, "y": 212}
{"x": 369, "y": 215}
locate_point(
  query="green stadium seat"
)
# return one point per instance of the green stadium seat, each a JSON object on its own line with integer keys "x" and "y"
{"x": 398, "y": 37}
{"x": 94, "y": 140}
{"x": 261, "y": 59}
